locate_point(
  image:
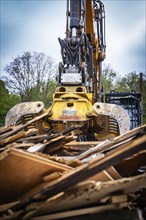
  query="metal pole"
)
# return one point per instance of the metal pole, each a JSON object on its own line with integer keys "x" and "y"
{"x": 141, "y": 78}
{"x": 141, "y": 104}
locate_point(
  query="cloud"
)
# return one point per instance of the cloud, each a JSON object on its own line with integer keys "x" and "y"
{"x": 36, "y": 25}
{"x": 31, "y": 26}
{"x": 126, "y": 35}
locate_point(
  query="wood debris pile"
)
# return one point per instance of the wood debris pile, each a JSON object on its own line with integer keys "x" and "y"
{"x": 55, "y": 177}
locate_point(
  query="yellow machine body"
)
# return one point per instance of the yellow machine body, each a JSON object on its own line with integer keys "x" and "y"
{"x": 71, "y": 103}
{"x": 77, "y": 98}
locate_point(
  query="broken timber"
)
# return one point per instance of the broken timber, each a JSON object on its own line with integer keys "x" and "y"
{"x": 20, "y": 172}
{"x": 87, "y": 170}
{"x": 58, "y": 182}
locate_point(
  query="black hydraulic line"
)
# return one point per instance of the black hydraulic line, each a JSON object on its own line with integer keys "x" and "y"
{"x": 100, "y": 18}
{"x": 104, "y": 40}
{"x": 67, "y": 13}
{"x": 91, "y": 61}
{"x": 71, "y": 52}
{"x": 68, "y": 50}
{"x": 101, "y": 24}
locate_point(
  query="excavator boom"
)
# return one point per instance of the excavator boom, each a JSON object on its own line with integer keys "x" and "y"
{"x": 77, "y": 98}
{"x": 83, "y": 49}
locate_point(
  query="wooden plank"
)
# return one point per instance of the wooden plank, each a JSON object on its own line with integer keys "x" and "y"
{"x": 34, "y": 139}
{"x": 36, "y": 148}
{"x": 119, "y": 198}
{"x": 109, "y": 143}
{"x": 21, "y": 127}
{"x": 41, "y": 146}
{"x": 113, "y": 172}
{"x": 132, "y": 164}
{"x": 20, "y": 172}
{"x": 12, "y": 138}
{"x": 40, "y": 138}
{"x": 95, "y": 166}
{"x": 7, "y": 206}
{"x": 88, "y": 193}
{"x": 83, "y": 143}
{"x": 80, "y": 146}
{"x": 5, "y": 129}
{"x": 17, "y": 136}
{"x": 91, "y": 168}
{"x": 16, "y": 145}
{"x": 19, "y": 145}
{"x": 106, "y": 175}
{"x": 37, "y": 188}
{"x": 52, "y": 176}
{"x": 76, "y": 148}
{"x": 79, "y": 212}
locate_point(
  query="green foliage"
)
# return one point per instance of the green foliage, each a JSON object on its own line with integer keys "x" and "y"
{"x": 29, "y": 76}
{"x": 45, "y": 94}
{"x": 108, "y": 78}
{"x": 129, "y": 82}
{"x": 7, "y": 101}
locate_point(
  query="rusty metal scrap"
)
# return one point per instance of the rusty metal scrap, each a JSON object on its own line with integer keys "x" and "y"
{"x": 51, "y": 175}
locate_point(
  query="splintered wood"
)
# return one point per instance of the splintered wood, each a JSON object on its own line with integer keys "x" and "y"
{"x": 53, "y": 176}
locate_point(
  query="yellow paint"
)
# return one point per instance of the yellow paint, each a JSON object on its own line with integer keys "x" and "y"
{"x": 71, "y": 105}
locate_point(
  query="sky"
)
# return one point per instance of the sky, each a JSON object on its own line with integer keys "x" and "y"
{"x": 35, "y": 25}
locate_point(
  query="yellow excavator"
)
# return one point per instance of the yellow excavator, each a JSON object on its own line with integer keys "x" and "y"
{"x": 77, "y": 98}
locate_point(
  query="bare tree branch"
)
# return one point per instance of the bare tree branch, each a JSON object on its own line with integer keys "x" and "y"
{"x": 30, "y": 74}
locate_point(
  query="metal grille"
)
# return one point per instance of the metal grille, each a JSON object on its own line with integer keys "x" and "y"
{"x": 113, "y": 126}
{"x": 130, "y": 101}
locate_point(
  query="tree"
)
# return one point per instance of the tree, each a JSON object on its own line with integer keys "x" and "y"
{"x": 7, "y": 101}
{"x": 45, "y": 94}
{"x": 30, "y": 76}
{"x": 130, "y": 82}
{"x": 108, "y": 78}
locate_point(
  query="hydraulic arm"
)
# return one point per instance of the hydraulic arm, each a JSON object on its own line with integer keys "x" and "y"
{"x": 83, "y": 49}
{"x": 77, "y": 98}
